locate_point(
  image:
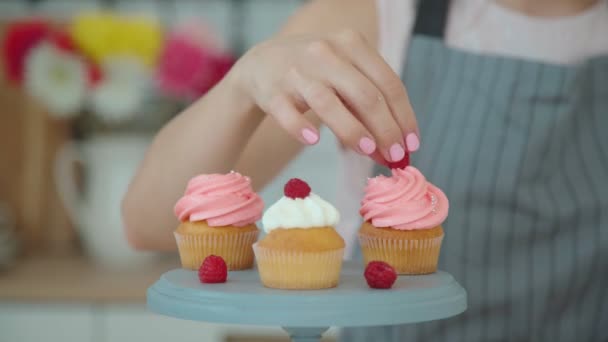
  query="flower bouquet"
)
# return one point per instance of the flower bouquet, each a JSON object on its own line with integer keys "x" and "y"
{"x": 112, "y": 72}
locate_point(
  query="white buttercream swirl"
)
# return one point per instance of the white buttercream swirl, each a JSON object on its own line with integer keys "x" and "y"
{"x": 309, "y": 212}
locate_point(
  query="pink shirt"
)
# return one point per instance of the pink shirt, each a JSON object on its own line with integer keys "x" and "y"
{"x": 479, "y": 26}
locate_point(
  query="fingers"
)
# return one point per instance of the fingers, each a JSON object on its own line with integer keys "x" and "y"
{"x": 352, "y": 90}
{"x": 285, "y": 112}
{"x": 361, "y": 95}
{"x": 323, "y": 100}
{"x": 366, "y": 59}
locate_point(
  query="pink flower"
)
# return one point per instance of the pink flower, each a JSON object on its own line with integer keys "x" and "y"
{"x": 191, "y": 63}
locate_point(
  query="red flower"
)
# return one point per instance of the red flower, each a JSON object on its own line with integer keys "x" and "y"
{"x": 20, "y": 37}
{"x": 63, "y": 41}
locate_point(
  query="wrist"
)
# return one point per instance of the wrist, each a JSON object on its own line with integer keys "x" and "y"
{"x": 234, "y": 89}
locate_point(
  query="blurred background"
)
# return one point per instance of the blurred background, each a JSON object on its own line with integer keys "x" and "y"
{"x": 84, "y": 86}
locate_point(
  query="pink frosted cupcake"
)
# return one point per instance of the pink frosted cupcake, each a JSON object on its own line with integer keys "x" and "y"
{"x": 402, "y": 221}
{"x": 218, "y": 214}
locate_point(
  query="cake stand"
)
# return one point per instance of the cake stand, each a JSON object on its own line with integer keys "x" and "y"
{"x": 306, "y": 315}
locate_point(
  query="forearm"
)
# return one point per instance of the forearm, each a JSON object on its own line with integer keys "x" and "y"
{"x": 208, "y": 137}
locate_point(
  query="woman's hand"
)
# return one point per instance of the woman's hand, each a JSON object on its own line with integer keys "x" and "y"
{"x": 343, "y": 80}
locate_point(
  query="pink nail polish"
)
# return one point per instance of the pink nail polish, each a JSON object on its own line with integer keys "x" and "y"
{"x": 310, "y": 136}
{"x": 396, "y": 152}
{"x": 367, "y": 145}
{"x": 412, "y": 142}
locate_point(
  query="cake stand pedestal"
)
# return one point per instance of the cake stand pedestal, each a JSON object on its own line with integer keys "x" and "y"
{"x": 306, "y": 315}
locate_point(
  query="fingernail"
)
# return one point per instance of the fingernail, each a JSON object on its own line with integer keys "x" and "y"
{"x": 310, "y": 136}
{"x": 397, "y": 152}
{"x": 367, "y": 145}
{"x": 412, "y": 142}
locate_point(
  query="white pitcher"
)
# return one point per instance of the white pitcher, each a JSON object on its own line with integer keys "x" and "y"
{"x": 109, "y": 162}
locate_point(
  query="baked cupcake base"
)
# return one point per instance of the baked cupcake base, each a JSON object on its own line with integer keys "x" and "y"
{"x": 410, "y": 252}
{"x": 300, "y": 259}
{"x": 293, "y": 270}
{"x": 197, "y": 240}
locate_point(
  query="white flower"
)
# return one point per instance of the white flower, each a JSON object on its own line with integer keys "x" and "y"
{"x": 122, "y": 92}
{"x": 57, "y": 79}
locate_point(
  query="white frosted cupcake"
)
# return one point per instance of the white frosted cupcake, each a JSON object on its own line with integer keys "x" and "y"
{"x": 301, "y": 250}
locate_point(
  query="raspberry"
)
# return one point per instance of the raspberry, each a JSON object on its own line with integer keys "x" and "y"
{"x": 400, "y": 164}
{"x": 380, "y": 275}
{"x": 296, "y": 188}
{"x": 213, "y": 270}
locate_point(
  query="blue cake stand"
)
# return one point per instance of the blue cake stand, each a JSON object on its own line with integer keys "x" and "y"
{"x": 306, "y": 315}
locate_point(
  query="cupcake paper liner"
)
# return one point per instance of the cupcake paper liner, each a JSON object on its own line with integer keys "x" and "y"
{"x": 407, "y": 256}
{"x": 294, "y": 270}
{"x": 235, "y": 249}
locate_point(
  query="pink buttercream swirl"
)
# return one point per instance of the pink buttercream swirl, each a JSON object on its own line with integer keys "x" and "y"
{"x": 404, "y": 201}
{"x": 222, "y": 200}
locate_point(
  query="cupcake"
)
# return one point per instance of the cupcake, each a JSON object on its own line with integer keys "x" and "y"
{"x": 301, "y": 250}
{"x": 402, "y": 221}
{"x": 218, "y": 214}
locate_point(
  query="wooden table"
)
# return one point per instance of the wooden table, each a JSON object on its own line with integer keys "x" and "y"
{"x": 75, "y": 279}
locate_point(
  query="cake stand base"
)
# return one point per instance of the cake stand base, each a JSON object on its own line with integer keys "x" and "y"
{"x": 305, "y": 334}
{"x": 306, "y": 315}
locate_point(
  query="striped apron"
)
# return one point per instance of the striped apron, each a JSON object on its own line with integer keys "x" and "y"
{"x": 521, "y": 150}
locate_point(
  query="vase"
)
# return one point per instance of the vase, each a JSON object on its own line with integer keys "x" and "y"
{"x": 108, "y": 163}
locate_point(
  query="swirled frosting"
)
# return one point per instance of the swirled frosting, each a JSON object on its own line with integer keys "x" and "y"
{"x": 222, "y": 200}
{"x": 404, "y": 201}
{"x": 309, "y": 212}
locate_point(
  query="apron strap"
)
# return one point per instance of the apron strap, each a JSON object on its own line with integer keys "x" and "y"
{"x": 431, "y": 18}
{"x": 430, "y": 21}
